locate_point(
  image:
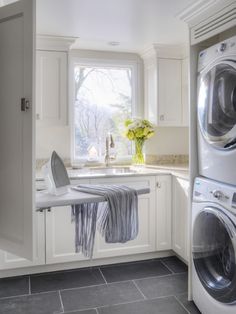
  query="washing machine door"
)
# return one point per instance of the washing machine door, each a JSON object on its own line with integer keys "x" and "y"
{"x": 214, "y": 254}
{"x": 217, "y": 105}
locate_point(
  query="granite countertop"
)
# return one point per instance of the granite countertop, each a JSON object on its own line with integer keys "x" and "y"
{"x": 179, "y": 170}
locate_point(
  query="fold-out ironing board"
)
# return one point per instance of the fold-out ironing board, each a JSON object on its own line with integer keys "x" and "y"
{"x": 44, "y": 200}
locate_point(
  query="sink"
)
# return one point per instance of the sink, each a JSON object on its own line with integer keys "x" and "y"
{"x": 103, "y": 171}
{"x": 113, "y": 170}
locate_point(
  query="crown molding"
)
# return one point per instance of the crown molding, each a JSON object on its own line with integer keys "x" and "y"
{"x": 54, "y": 43}
{"x": 196, "y": 9}
{"x": 178, "y": 51}
{"x": 201, "y": 10}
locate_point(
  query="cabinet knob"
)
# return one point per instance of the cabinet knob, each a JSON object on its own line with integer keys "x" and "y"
{"x": 37, "y": 116}
{"x": 158, "y": 185}
{"x": 162, "y": 117}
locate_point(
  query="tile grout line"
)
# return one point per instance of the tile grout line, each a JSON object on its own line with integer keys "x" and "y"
{"x": 121, "y": 303}
{"x": 96, "y": 309}
{"x": 103, "y": 275}
{"x": 181, "y": 304}
{"x": 92, "y": 286}
{"x": 62, "y": 305}
{"x": 167, "y": 267}
{"x": 140, "y": 291}
{"x": 158, "y": 259}
{"x": 149, "y": 260}
{"x": 26, "y": 295}
{"x": 134, "y": 301}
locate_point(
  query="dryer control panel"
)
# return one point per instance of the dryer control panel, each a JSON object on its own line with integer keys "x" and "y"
{"x": 225, "y": 49}
{"x": 206, "y": 190}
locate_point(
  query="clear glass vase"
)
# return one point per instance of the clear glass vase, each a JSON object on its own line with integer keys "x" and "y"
{"x": 138, "y": 157}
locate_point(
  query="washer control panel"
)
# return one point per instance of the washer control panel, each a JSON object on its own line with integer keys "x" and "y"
{"x": 206, "y": 190}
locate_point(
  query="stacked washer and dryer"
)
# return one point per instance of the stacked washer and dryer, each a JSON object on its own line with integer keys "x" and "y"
{"x": 214, "y": 193}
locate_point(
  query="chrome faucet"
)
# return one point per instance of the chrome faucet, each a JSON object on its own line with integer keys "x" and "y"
{"x": 109, "y": 144}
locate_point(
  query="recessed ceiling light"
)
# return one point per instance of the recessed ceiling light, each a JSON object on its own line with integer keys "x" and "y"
{"x": 113, "y": 43}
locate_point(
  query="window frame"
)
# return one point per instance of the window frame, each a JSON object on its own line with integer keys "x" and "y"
{"x": 136, "y": 98}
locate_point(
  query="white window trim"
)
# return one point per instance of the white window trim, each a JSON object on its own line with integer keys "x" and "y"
{"x": 137, "y": 110}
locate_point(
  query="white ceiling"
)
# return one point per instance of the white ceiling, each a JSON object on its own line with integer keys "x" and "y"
{"x": 136, "y": 24}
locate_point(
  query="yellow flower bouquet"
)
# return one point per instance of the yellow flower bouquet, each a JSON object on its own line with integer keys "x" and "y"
{"x": 138, "y": 130}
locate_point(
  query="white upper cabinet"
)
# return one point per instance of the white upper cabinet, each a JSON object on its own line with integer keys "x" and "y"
{"x": 169, "y": 92}
{"x": 17, "y": 128}
{"x": 166, "y": 86}
{"x": 51, "y": 88}
{"x": 52, "y": 80}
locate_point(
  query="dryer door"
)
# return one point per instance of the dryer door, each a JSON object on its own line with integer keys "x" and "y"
{"x": 214, "y": 254}
{"x": 217, "y": 105}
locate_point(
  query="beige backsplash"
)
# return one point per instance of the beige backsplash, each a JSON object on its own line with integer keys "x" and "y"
{"x": 150, "y": 159}
{"x": 166, "y": 159}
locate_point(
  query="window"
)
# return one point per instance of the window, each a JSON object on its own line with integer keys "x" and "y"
{"x": 103, "y": 99}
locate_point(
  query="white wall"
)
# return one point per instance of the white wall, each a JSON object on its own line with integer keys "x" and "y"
{"x": 52, "y": 138}
{"x": 168, "y": 141}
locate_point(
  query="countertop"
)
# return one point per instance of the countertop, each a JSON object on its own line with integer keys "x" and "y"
{"x": 180, "y": 170}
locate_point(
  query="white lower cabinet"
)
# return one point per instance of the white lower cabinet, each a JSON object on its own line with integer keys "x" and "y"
{"x": 145, "y": 241}
{"x": 10, "y": 261}
{"x": 55, "y": 230}
{"x": 60, "y": 230}
{"x": 163, "y": 212}
{"x": 180, "y": 217}
{"x": 60, "y": 236}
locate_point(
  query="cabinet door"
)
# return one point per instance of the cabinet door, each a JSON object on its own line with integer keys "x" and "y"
{"x": 17, "y": 127}
{"x": 150, "y": 90}
{"x": 169, "y": 92}
{"x": 51, "y": 88}
{"x": 185, "y": 92}
{"x": 163, "y": 212}
{"x": 9, "y": 261}
{"x": 145, "y": 241}
{"x": 60, "y": 235}
{"x": 180, "y": 217}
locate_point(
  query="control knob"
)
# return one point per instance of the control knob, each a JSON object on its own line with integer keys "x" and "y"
{"x": 217, "y": 194}
{"x": 222, "y": 47}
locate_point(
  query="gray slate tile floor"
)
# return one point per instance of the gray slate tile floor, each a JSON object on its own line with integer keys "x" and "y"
{"x": 156, "y": 286}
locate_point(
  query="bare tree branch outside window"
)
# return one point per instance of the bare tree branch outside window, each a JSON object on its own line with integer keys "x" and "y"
{"x": 103, "y": 100}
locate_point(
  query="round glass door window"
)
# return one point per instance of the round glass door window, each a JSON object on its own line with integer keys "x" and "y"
{"x": 217, "y": 105}
{"x": 214, "y": 249}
